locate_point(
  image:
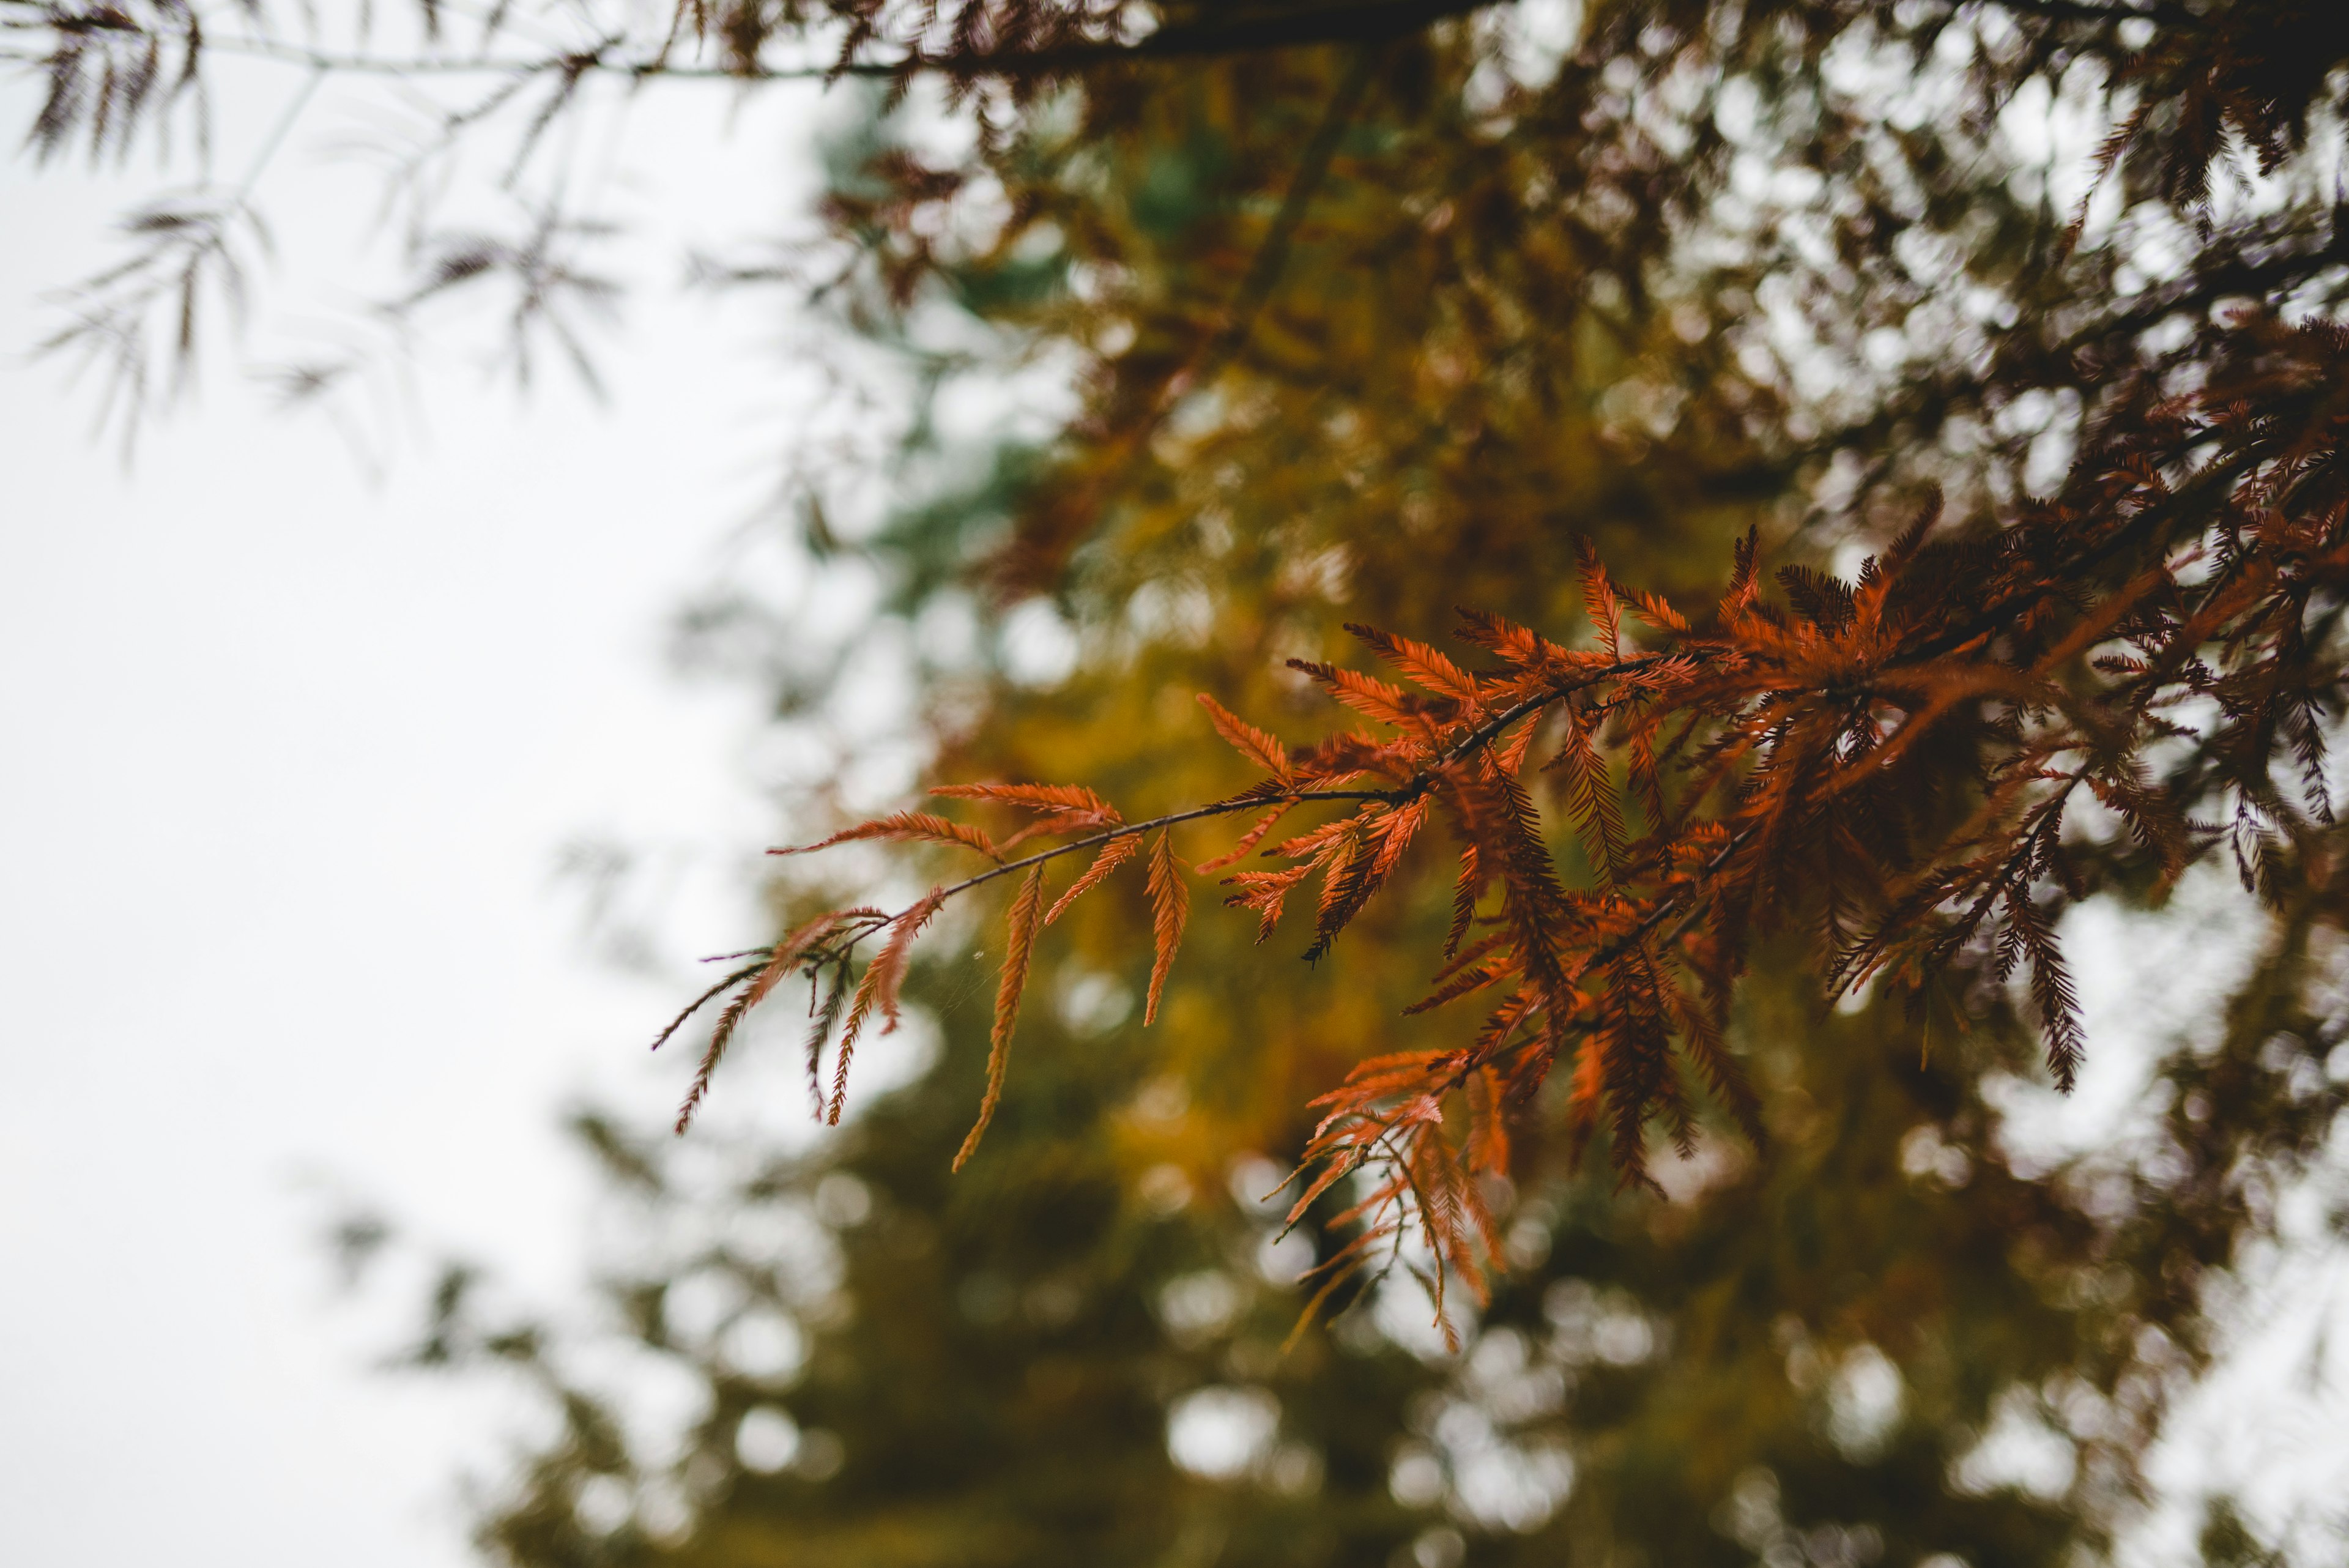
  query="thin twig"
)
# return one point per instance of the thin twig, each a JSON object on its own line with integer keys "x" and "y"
{"x": 712, "y": 994}
{"x": 1127, "y": 829}
{"x": 1373, "y": 23}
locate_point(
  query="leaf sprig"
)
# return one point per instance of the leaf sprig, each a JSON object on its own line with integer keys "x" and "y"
{"x": 1888, "y": 765}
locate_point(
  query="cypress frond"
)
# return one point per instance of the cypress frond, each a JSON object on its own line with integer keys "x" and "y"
{"x": 1019, "y": 949}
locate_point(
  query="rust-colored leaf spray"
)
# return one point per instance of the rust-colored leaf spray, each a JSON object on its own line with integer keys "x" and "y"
{"x": 1886, "y": 766}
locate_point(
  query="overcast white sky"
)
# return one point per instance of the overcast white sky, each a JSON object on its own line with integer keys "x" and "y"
{"x": 289, "y": 759}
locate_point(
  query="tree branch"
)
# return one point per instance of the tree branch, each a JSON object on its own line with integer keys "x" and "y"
{"x": 1380, "y": 22}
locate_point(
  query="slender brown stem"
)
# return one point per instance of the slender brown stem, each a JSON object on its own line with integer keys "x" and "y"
{"x": 713, "y": 993}
{"x": 1417, "y": 785}
{"x": 1122, "y": 830}
{"x": 1359, "y": 24}
{"x": 1126, "y": 830}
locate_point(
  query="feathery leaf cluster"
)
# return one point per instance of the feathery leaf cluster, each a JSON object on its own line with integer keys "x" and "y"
{"x": 1889, "y": 764}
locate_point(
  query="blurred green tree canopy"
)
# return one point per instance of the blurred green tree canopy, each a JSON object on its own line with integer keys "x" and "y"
{"x": 1360, "y": 314}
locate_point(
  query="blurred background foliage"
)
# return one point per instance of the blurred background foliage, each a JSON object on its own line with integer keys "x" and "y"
{"x": 1365, "y": 333}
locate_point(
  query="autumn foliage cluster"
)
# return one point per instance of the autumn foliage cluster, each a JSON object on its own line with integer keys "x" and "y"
{"x": 1887, "y": 765}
